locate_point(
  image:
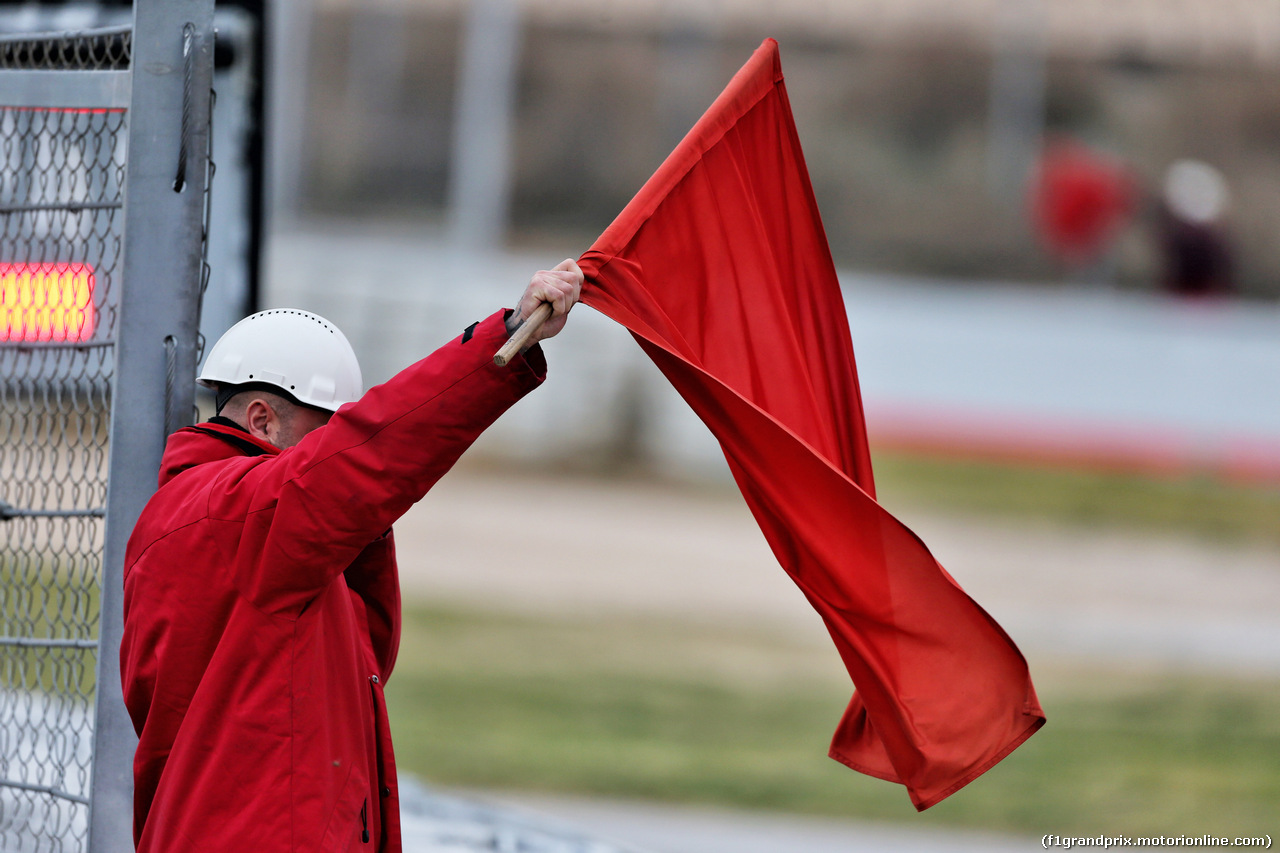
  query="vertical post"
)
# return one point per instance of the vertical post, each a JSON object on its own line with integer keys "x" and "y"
{"x": 1017, "y": 96}
{"x": 165, "y": 182}
{"x": 286, "y": 72}
{"x": 688, "y": 78}
{"x": 376, "y": 65}
{"x": 480, "y": 188}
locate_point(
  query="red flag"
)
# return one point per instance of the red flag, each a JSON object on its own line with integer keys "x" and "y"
{"x": 720, "y": 268}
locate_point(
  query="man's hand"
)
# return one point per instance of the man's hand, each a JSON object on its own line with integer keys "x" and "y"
{"x": 561, "y": 287}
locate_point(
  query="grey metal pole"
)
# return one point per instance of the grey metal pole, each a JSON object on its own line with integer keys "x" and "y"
{"x": 288, "y": 92}
{"x": 376, "y": 63}
{"x": 480, "y": 189}
{"x": 1017, "y": 97}
{"x": 165, "y": 181}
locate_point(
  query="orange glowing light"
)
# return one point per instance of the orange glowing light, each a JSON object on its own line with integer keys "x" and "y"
{"x": 42, "y": 302}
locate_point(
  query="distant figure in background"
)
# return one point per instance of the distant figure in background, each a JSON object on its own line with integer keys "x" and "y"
{"x": 1080, "y": 201}
{"x": 1192, "y": 233}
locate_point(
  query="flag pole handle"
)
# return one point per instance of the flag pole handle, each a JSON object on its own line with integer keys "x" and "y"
{"x": 520, "y": 337}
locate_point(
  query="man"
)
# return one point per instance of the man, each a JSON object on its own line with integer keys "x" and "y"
{"x": 262, "y": 604}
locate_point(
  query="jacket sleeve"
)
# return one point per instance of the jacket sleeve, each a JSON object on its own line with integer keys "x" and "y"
{"x": 374, "y": 580}
{"x": 309, "y": 511}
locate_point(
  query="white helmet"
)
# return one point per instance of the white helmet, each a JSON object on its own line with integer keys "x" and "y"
{"x": 301, "y": 353}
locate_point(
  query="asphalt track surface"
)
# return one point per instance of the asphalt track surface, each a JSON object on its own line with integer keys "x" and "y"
{"x": 633, "y": 548}
{"x": 627, "y": 547}
{"x": 628, "y": 827}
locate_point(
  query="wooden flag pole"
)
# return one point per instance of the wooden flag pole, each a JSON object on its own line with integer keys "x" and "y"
{"x": 521, "y": 335}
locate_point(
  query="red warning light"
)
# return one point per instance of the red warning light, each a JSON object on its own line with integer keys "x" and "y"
{"x": 42, "y": 302}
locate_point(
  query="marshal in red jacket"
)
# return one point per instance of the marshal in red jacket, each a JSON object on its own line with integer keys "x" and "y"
{"x": 262, "y": 612}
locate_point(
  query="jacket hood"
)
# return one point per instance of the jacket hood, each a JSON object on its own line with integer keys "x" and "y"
{"x": 208, "y": 442}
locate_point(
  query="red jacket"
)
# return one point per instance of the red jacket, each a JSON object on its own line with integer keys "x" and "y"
{"x": 262, "y": 612}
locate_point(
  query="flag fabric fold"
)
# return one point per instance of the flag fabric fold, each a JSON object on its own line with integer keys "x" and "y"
{"x": 720, "y": 269}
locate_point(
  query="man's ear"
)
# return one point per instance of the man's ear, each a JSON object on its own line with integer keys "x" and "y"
{"x": 261, "y": 420}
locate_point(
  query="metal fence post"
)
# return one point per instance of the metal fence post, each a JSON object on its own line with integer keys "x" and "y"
{"x": 156, "y": 348}
{"x": 480, "y": 183}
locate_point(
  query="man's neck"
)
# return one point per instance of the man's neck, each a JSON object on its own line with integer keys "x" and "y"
{"x": 225, "y": 421}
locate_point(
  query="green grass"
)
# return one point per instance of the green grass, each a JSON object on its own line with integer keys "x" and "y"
{"x": 37, "y": 602}
{"x": 1199, "y": 505}
{"x": 735, "y": 717}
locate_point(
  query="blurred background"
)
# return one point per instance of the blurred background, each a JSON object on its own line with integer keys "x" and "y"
{"x": 924, "y": 122}
{"x": 1058, "y": 216}
{"x": 1055, "y": 223}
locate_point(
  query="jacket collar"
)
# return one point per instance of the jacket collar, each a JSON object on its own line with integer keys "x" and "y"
{"x": 218, "y": 438}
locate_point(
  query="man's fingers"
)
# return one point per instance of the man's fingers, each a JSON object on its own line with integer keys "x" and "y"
{"x": 560, "y": 286}
{"x": 542, "y": 291}
{"x": 568, "y": 265}
{"x": 569, "y": 272}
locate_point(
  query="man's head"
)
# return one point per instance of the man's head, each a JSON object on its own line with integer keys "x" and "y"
{"x": 282, "y": 373}
{"x": 273, "y": 417}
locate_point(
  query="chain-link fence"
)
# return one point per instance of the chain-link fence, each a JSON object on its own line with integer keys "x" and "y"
{"x": 99, "y": 50}
{"x": 61, "y": 177}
